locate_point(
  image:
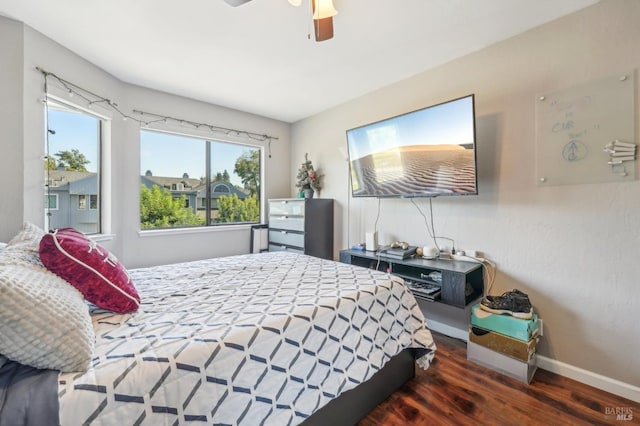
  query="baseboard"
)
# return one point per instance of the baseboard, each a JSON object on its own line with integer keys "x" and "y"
{"x": 599, "y": 381}
{"x": 607, "y": 384}
{"x": 447, "y": 330}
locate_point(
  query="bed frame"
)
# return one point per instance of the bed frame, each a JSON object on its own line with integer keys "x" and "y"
{"x": 355, "y": 404}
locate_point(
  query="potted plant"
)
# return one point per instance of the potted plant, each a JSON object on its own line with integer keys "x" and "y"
{"x": 308, "y": 180}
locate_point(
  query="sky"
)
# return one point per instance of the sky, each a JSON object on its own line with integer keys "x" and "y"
{"x": 447, "y": 123}
{"x": 166, "y": 155}
{"x": 171, "y": 155}
{"x": 74, "y": 131}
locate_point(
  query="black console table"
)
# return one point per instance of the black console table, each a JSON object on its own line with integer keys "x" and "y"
{"x": 460, "y": 282}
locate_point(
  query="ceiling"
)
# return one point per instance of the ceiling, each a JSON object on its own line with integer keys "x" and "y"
{"x": 258, "y": 58}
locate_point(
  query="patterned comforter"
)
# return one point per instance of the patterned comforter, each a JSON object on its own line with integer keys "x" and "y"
{"x": 255, "y": 339}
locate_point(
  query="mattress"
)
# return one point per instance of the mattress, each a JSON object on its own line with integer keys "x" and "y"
{"x": 264, "y": 338}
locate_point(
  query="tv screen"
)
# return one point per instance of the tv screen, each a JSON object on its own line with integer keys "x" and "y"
{"x": 424, "y": 153}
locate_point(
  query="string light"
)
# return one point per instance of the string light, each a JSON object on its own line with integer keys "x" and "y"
{"x": 92, "y": 98}
{"x": 166, "y": 119}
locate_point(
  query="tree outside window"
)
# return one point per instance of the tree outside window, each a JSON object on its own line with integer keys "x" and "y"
{"x": 218, "y": 189}
{"x": 72, "y": 168}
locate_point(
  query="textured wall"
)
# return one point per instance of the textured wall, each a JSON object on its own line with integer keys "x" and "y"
{"x": 11, "y": 166}
{"x": 572, "y": 248}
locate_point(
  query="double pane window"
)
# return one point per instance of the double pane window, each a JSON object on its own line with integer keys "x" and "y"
{"x": 188, "y": 181}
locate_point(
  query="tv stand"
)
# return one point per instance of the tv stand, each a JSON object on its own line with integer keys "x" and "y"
{"x": 460, "y": 282}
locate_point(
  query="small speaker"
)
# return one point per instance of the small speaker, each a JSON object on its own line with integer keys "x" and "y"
{"x": 371, "y": 241}
{"x": 429, "y": 252}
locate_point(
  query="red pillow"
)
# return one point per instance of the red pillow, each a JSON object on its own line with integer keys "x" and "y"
{"x": 90, "y": 268}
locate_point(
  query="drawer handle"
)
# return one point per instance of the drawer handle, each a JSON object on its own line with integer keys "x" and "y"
{"x": 285, "y": 217}
{"x": 284, "y": 232}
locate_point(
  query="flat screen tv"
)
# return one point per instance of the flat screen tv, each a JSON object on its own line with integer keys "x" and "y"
{"x": 424, "y": 153}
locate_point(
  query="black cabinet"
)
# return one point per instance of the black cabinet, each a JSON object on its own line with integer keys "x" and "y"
{"x": 452, "y": 282}
{"x": 301, "y": 225}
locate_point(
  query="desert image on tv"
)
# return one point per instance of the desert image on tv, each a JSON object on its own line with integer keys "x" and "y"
{"x": 416, "y": 170}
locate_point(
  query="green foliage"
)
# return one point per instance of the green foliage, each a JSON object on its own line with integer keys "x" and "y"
{"x": 158, "y": 209}
{"x": 72, "y": 160}
{"x": 233, "y": 209}
{"x": 248, "y": 168}
{"x": 50, "y": 163}
{"x": 224, "y": 177}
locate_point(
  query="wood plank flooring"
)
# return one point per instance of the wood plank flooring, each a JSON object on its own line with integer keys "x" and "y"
{"x": 459, "y": 392}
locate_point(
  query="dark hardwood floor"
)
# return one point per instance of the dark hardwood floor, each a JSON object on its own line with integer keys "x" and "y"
{"x": 457, "y": 391}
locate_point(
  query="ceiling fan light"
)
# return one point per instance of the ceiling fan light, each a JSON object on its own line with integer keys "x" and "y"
{"x": 295, "y": 3}
{"x": 323, "y": 28}
{"x": 323, "y": 9}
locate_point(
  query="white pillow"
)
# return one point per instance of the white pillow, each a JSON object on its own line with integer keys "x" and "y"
{"x": 23, "y": 248}
{"x": 44, "y": 321}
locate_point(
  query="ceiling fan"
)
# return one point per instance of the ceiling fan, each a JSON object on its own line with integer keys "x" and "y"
{"x": 323, "y": 13}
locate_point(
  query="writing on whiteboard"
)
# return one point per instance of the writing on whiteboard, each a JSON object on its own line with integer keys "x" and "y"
{"x": 574, "y": 149}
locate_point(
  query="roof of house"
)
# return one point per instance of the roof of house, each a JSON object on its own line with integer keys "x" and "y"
{"x": 62, "y": 177}
{"x": 167, "y": 182}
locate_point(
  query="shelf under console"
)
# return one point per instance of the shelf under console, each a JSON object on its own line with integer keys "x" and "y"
{"x": 451, "y": 282}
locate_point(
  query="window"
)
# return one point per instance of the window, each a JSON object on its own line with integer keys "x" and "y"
{"x": 72, "y": 168}
{"x": 221, "y": 188}
{"x": 51, "y": 201}
{"x": 184, "y": 175}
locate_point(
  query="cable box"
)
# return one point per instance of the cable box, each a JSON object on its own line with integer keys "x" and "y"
{"x": 398, "y": 253}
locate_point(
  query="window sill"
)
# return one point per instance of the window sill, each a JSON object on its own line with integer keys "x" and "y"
{"x": 194, "y": 230}
{"x": 101, "y": 237}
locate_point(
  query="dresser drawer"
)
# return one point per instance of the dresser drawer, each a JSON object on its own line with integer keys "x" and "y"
{"x": 286, "y": 207}
{"x": 301, "y": 225}
{"x": 286, "y": 237}
{"x": 275, "y": 247}
{"x": 292, "y": 223}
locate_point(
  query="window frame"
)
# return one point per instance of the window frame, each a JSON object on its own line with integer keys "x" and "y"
{"x": 206, "y": 137}
{"x": 57, "y": 98}
{"x": 48, "y": 197}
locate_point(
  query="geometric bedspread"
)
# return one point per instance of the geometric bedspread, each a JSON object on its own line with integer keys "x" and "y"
{"x": 253, "y": 339}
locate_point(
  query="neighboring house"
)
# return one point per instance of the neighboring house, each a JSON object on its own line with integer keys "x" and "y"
{"x": 73, "y": 197}
{"x": 218, "y": 189}
{"x": 177, "y": 186}
{"x": 194, "y": 190}
{"x": 73, "y": 200}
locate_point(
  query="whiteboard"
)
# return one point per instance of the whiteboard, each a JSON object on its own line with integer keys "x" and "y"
{"x": 574, "y": 125}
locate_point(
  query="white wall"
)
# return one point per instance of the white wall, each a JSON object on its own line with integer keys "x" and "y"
{"x": 142, "y": 250}
{"x": 23, "y": 148}
{"x": 572, "y": 248}
{"x": 11, "y": 169}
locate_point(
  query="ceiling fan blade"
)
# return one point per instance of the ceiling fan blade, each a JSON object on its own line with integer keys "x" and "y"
{"x": 236, "y": 3}
{"x": 323, "y": 28}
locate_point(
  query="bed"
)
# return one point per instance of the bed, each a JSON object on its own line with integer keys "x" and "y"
{"x": 270, "y": 338}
